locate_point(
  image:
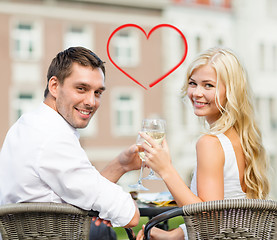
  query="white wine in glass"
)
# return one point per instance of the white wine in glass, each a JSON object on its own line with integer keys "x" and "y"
{"x": 155, "y": 128}
{"x": 157, "y": 136}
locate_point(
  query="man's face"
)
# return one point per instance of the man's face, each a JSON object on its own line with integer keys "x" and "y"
{"x": 78, "y": 98}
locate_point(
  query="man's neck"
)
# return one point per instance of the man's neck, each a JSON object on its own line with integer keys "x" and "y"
{"x": 50, "y": 101}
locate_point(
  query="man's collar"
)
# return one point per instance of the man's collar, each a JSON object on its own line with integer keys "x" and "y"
{"x": 59, "y": 118}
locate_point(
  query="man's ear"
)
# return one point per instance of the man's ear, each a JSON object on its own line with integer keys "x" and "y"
{"x": 53, "y": 85}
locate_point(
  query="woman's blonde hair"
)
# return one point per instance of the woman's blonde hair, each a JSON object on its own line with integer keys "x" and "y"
{"x": 238, "y": 112}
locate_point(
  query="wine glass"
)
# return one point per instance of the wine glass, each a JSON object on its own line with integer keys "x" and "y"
{"x": 139, "y": 185}
{"x": 155, "y": 128}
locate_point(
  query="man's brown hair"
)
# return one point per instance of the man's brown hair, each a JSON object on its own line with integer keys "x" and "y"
{"x": 61, "y": 65}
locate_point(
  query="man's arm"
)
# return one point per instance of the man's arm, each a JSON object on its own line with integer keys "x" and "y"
{"x": 126, "y": 161}
{"x": 135, "y": 220}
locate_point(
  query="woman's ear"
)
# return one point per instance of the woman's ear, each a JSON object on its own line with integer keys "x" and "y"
{"x": 53, "y": 86}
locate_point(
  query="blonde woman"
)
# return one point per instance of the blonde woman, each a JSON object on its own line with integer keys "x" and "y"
{"x": 231, "y": 160}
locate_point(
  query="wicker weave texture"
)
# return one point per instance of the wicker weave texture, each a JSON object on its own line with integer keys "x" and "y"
{"x": 232, "y": 219}
{"x": 30, "y": 221}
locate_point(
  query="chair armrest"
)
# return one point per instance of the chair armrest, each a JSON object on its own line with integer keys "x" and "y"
{"x": 130, "y": 233}
{"x": 160, "y": 218}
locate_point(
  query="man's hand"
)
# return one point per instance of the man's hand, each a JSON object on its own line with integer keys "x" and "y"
{"x": 126, "y": 161}
{"x": 129, "y": 159}
{"x": 97, "y": 221}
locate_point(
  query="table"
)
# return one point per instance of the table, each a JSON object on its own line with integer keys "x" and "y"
{"x": 147, "y": 210}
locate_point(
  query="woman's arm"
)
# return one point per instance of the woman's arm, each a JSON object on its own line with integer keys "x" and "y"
{"x": 210, "y": 168}
{"x": 210, "y": 162}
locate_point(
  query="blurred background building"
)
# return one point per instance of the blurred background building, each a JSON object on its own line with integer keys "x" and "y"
{"x": 32, "y": 32}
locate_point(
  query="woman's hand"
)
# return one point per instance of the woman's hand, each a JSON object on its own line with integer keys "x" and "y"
{"x": 159, "y": 234}
{"x": 157, "y": 156}
{"x": 140, "y": 234}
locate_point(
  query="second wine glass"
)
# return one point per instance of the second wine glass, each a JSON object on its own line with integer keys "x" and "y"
{"x": 139, "y": 185}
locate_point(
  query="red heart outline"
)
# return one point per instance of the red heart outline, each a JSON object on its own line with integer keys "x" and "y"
{"x": 147, "y": 36}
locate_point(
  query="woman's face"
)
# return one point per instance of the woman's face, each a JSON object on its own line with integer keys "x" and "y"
{"x": 202, "y": 93}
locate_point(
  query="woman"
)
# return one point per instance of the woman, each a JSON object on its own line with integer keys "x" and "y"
{"x": 231, "y": 160}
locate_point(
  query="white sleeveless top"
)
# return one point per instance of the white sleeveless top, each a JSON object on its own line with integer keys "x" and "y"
{"x": 232, "y": 187}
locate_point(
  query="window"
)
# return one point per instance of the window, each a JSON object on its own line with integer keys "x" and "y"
{"x": 126, "y": 48}
{"x": 217, "y": 3}
{"x": 220, "y": 42}
{"x": 26, "y": 40}
{"x": 78, "y": 36}
{"x": 24, "y": 98}
{"x": 198, "y": 44}
{"x": 24, "y": 103}
{"x": 189, "y": 1}
{"x": 262, "y": 56}
{"x": 257, "y": 106}
{"x": 274, "y": 58}
{"x": 272, "y": 7}
{"x": 181, "y": 47}
{"x": 184, "y": 112}
{"x": 126, "y": 107}
{"x": 273, "y": 112}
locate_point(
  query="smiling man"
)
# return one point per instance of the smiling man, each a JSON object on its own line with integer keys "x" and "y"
{"x": 41, "y": 159}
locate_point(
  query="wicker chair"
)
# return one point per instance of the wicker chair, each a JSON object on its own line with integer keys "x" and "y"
{"x": 225, "y": 219}
{"x": 55, "y": 221}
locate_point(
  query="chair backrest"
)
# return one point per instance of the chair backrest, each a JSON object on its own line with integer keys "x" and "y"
{"x": 55, "y": 221}
{"x": 232, "y": 219}
{"x": 225, "y": 219}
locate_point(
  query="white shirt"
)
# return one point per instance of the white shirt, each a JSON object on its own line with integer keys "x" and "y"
{"x": 42, "y": 161}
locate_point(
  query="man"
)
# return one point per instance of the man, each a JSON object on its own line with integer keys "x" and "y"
{"x": 41, "y": 159}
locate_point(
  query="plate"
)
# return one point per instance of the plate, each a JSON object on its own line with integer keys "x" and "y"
{"x": 160, "y": 198}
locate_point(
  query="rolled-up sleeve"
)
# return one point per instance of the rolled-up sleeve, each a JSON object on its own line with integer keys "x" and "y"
{"x": 184, "y": 228}
{"x": 64, "y": 166}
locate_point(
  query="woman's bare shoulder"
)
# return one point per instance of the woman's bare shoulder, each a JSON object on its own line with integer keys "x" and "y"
{"x": 208, "y": 147}
{"x": 208, "y": 140}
